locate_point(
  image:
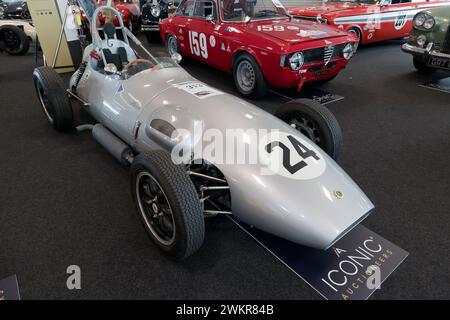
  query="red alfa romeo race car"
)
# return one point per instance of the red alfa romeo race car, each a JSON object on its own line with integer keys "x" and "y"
{"x": 258, "y": 42}
{"x": 370, "y": 20}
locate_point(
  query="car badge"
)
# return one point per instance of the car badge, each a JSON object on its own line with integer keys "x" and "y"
{"x": 328, "y": 54}
{"x": 338, "y": 194}
{"x": 120, "y": 89}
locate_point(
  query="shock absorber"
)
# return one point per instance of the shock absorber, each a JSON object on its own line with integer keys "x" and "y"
{"x": 79, "y": 75}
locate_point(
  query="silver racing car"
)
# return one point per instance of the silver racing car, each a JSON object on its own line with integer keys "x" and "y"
{"x": 151, "y": 114}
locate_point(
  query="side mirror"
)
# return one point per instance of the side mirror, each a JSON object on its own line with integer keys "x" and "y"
{"x": 110, "y": 69}
{"x": 210, "y": 18}
{"x": 176, "y": 57}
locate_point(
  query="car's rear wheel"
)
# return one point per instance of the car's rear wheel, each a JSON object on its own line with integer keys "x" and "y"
{"x": 422, "y": 67}
{"x": 16, "y": 41}
{"x": 167, "y": 204}
{"x": 314, "y": 121}
{"x": 248, "y": 78}
{"x": 52, "y": 95}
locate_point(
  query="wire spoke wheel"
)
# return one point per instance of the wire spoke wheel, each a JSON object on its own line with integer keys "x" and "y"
{"x": 172, "y": 45}
{"x": 155, "y": 208}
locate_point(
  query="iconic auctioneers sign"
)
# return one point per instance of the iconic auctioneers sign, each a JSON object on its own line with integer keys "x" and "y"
{"x": 350, "y": 270}
{"x": 9, "y": 289}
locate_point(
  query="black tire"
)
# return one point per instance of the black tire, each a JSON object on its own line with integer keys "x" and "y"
{"x": 50, "y": 89}
{"x": 357, "y": 33}
{"x": 315, "y": 121}
{"x": 187, "y": 215}
{"x": 16, "y": 41}
{"x": 257, "y": 87}
{"x": 422, "y": 67}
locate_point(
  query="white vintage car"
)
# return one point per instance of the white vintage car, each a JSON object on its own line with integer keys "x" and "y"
{"x": 147, "y": 107}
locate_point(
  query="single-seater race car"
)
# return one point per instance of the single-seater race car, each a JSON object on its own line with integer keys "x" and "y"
{"x": 151, "y": 113}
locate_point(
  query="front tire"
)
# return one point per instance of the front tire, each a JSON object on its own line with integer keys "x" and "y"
{"x": 51, "y": 92}
{"x": 422, "y": 67}
{"x": 167, "y": 204}
{"x": 314, "y": 121}
{"x": 172, "y": 45}
{"x": 248, "y": 78}
{"x": 16, "y": 41}
{"x": 357, "y": 33}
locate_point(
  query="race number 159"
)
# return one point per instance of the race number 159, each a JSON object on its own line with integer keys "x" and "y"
{"x": 198, "y": 44}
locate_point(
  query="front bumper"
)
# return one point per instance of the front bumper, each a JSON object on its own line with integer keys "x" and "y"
{"x": 309, "y": 73}
{"x": 425, "y": 52}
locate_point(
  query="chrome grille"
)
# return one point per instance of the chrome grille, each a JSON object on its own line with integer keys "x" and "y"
{"x": 327, "y": 54}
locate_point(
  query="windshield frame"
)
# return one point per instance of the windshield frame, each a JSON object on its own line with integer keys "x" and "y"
{"x": 222, "y": 17}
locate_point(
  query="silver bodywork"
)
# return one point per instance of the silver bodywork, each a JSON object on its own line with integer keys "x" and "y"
{"x": 303, "y": 211}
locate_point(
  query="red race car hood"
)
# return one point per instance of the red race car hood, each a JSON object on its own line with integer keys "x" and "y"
{"x": 292, "y": 31}
{"x": 325, "y": 9}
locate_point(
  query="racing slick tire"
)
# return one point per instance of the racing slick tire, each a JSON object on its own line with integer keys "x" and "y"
{"x": 248, "y": 78}
{"x": 422, "y": 67}
{"x": 168, "y": 204}
{"x": 314, "y": 121}
{"x": 52, "y": 95}
{"x": 16, "y": 41}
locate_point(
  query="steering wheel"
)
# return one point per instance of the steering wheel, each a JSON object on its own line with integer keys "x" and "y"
{"x": 137, "y": 65}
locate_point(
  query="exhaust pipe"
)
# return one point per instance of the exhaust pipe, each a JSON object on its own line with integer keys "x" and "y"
{"x": 116, "y": 147}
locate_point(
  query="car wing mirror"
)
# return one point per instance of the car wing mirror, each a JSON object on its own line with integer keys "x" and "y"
{"x": 110, "y": 69}
{"x": 210, "y": 18}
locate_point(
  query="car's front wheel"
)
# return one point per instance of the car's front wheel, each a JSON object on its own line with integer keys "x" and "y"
{"x": 172, "y": 45}
{"x": 52, "y": 95}
{"x": 422, "y": 67}
{"x": 167, "y": 204}
{"x": 314, "y": 121}
{"x": 248, "y": 78}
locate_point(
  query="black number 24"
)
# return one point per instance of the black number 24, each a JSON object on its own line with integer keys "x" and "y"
{"x": 301, "y": 149}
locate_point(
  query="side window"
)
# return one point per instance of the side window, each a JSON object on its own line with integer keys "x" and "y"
{"x": 186, "y": 8}
{"x": 204, "y": 8}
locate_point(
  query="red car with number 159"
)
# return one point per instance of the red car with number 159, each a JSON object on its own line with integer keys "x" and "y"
{"x": 258, "y": 42}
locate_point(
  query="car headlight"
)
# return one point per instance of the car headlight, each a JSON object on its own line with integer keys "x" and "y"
{"x": 348, "y": 51}
{"x": 421, "y": 40}
{"x": 419, "y": 20}
{"x": 429, "y": 22}
{"x": 156, "y": 11}
{"x": 296, "y": 61}
{"x": 424, "y": 20}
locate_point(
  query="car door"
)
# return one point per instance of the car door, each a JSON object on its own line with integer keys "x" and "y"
{"x": 181, "y": 21}
{"x": 203, "y": 37}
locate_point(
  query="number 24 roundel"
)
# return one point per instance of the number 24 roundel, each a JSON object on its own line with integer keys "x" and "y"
{"x": 288, "y": 156}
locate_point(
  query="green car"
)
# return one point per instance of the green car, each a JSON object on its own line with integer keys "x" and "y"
{"x": 429, "y": 42}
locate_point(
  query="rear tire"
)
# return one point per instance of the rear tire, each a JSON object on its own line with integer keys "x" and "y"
{"x": 248, "y": 78}
{"x": 167, "y": 203}
{"x": 16, "y": 41}
{"x": 52, "y": 95}
{"x": 314, "y": 121}
{"x": 422, "y": 67}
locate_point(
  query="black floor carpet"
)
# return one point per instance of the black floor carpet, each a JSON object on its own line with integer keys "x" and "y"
{"x": 65, "y": 201}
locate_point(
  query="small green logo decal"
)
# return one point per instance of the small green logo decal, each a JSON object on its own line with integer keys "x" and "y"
{"x": 338, "y": 194}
